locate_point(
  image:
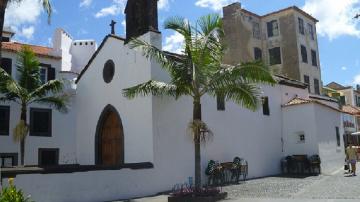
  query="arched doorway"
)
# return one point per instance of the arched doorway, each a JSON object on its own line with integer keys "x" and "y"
{"x": 109, "y": 143}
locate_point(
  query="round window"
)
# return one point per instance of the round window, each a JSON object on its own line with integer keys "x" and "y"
{"x": 108, "y": 71}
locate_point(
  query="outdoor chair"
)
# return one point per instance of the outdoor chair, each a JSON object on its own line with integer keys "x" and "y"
{"x": 215, "y": 173}
{"x": 315, "y": 164}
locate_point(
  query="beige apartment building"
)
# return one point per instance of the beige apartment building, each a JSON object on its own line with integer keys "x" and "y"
{"x": 286, "y": 40}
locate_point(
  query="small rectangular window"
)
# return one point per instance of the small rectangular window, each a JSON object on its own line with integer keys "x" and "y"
{"x": 301, "y": 138}
{"x": 6, "y": 64}
{"x": 48, "y": 157}
{"x": 273, "y": 28}
{"x": 43, "y": 75}
{"x": 311, "y": 31}
{"x": 314, "y": 58}
{"x": 265, "y": 106}
{"x": 317, "y": 86}
{"x": 256, "y": 30}
{"x": 307, "y": 81}
{"x": 275, "y": 56}
{"x": 4, "y": 120}
{"x": 257, "y": 53}
{"x": 8, "y": 160}
{"x": 220, "y": 102}
{"x": 304, "y": 54}
{"x": 301, "y": 26}
{"x": 40, "y": 122}
{"x": 338, "y": 136}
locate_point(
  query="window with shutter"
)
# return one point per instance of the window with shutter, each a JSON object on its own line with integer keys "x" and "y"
{"x": 40, "y": 122}
{"x": 48, "y": 157}
{"x": 6, "y": 64}
{"x": 304, "y": 54}
{"x": 307, "y": 81}
{"x": 317, "y": 86}
{"x": 275, "y": 56}
{"x": 257, "y": 53}
{"x": 273, "y": 28}
{"x": 4, "y": 120}
{"x": 265, "y": 105}
{"x": 314, "y": 58}
{"x": 301, "y": 26}
{"x": 220, "y": 100}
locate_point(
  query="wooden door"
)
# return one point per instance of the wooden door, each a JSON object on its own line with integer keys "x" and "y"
{"x": 112, "y": 141}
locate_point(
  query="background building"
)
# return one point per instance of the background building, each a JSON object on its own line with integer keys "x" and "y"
{"x": 286, "y": 40}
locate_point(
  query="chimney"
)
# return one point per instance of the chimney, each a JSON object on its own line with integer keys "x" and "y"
{"x": 141, "y": 17}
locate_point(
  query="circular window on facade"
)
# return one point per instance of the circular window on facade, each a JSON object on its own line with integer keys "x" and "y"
{"x": 109, "y": 71}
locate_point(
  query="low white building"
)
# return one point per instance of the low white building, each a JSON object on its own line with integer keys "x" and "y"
{"x": 112, "y": 148}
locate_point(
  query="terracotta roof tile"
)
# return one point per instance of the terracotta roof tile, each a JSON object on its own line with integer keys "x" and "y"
{"x": 301, "y": 101}
{"x": 351, "y": 110}
{"x": 41, "y": 51}
{"x": 298, "y": 101}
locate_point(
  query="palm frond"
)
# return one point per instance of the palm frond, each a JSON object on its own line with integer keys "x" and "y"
{"x": 180, "y": 25}
{"x": 28, "y": 69}
{"x": 20, "y": 131}
{"x": 155, "y": 88}
{"x": 59, "y": 102}
{"x": 152, "y": 52}
{"x": 244, "y": 94}
{"x": 255, "y": 72}
{"x": 48, "y": 8}
{"x": 204, "y": 133}
{"x": 50, "y": 87}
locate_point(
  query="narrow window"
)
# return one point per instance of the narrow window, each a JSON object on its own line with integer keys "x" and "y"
{"x": 307, "y": 81}
{"x": 40, "y": 122}
{"x": 317, "y": 86}
{"x": 301, "y": 26}
{"x": 314, "y": 58}
{"x": 4, "y": 120}
{"x": 220, "y": 100}
{"x": 338, "y": 136}
{"x": 275, "y": 56}
{"x": 48, "y": 157}
{"x": 311, "y": 31}
{"x": 6, "y": 64}
{"x": 342, "y": 100}
{"x": 304, "y": 54}
{"x": 257, "y": 53}
{"x": 256, "y": 30}
{"x": 43, "y": 75}
{"x": 273, "y": 28}
{"x": 265, "y": 106}
{"x": 5, "y": 39}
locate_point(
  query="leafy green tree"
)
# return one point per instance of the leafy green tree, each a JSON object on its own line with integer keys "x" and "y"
{"x": 29, "y": 89}
{"x": 3, "y": 4}
{"x": 199, "y": 71}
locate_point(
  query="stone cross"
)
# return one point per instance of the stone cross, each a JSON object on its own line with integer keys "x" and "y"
{"x": 112, "y": 25}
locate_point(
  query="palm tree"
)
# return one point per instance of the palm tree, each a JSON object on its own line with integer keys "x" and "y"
{"x": 29, "y": 89}
{"x": 3, "y": 4}
{"x": 199, "y": 71}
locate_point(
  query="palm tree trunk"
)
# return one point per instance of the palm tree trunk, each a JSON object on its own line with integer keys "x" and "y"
{"x": 22, "y": 141}
{"x": 3, "y": 4}
{"x": 197, "y": 141}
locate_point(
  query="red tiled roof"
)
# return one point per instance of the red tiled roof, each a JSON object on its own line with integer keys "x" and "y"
{"x": 40, "y": 51}
{"x": 301, "y": 101}
{"x": 351, "y": 110}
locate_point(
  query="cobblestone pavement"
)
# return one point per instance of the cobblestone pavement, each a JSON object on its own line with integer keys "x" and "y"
{"x": 321, "y": 188}
{"x": 337, "y": 186}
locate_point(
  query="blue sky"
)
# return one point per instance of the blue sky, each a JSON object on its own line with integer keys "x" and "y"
{"x": 339, "y": 34}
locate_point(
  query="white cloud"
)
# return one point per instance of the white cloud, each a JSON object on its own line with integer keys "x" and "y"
{"x": 116, "y": 8}
{"x": 174, "y": 43}
{"x": 336, "y": 18}
{"x": 85, "y": 3}
{"x": 343, "y": 68}
{"x": 357, "y": 80}
{"x": 163, "y": 4}
{"x": 18, "y": 14}
{"x": 27, "y": 32}
{"x": 123, "y": 23}
{"x": 215, "y": 5}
